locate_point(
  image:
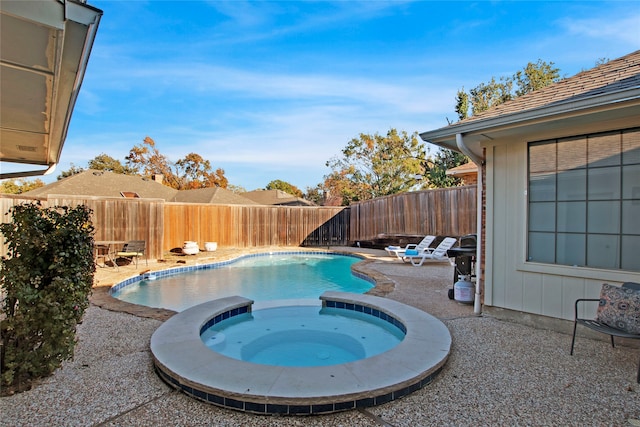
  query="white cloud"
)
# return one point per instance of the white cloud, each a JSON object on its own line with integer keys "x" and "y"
{"x": 618, "y": 29}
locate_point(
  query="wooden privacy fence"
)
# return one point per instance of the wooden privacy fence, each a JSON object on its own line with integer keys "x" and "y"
{"x": 165, "y": 226}
{"x": 252, "y": 225}
{"x": 441, "y": 212}
{"x": 114, "y": 219}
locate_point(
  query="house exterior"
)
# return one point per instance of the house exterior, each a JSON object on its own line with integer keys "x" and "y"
{"x": 468, "y": 173}
{"x": 560, "y": 181}
{"x": 95, "y": 183}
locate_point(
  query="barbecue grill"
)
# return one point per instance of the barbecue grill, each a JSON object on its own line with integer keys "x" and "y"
{"x": 464, "y": 259}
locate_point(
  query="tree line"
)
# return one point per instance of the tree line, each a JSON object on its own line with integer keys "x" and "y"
{"x": 369, "y": 166}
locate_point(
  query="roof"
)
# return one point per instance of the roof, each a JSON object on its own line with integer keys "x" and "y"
{"x": 465, "y": 169}
{"x": 276, "y": 197}
{"x": 96, "y": 183}
{"x": 607, "y": 93}
{"x": 44, "y": 51}
{"x": 215, "y": 195}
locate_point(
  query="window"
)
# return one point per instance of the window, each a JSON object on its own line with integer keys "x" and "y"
{"x": 584, "y": 201}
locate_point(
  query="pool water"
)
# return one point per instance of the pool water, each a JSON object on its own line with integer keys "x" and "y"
{"x": 302, "y": 336}
{"x": 260, "y": 278}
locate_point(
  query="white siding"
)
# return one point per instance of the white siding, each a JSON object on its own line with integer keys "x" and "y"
{"x": 511, "y": 282}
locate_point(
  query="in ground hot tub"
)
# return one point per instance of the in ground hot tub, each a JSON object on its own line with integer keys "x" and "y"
{"x": 184, "y": 361}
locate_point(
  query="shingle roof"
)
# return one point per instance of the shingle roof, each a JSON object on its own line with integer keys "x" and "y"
{"x": 106, "y": 184}
{"x": 215, "y": 195}
{"x": 618, "y": 74}
{"x": 275, "y": 197}
{"x": 467, "y": 168}
{"x": 96, "y": 183}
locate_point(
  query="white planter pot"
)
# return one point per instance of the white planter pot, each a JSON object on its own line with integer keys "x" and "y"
{"x": 190, "y": 248}
{"x": 210, "y": 246}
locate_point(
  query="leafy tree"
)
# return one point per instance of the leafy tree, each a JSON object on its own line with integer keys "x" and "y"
{"x": 19, "y": 186}
{"x": 375, "y": 165}
{"x": 238, "y": 189}
{"x": 535, "y": 76}
{"x": 284, "y": 186}
{"x": 316, "y": 195}
{"x": 188, "y": 173}
{"x": 104, "y": 162}
{"x": 462, "y": 104}
{"x": 487, "y": 95}
{"x": 73, "y": 170}
{"x": 437, "y": 167}
{"x": 195, "y": 172}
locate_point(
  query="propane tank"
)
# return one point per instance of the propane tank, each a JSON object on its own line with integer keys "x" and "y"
{"x": 463, "y": 290}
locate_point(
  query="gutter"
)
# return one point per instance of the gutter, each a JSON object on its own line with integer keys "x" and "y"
{"x": 568, "y": 106}
{"x": 24, "y": 174}
{"x": 477, "y": 305}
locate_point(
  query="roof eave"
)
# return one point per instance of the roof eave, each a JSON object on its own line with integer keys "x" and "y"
{"x": 63, "y": 32}
{"x": 445, "y": 137}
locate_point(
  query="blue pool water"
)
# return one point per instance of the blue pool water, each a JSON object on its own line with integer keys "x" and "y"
{"x": 260, "y": 278}
{"x": 302, "y": 336}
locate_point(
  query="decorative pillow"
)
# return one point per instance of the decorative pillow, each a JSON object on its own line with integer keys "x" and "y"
{"x": 620, "y": 308}
{"x": 411, "y": 252}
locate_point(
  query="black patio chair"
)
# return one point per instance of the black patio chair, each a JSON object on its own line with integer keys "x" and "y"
{"x": 598, "y": 326}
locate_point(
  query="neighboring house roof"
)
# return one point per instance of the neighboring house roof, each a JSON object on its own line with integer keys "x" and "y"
{"x": 607, "y": 93}
{"x": 94, "y": 183}
{"x": 463, "y": 170}
{"x": 106, "y": 184}
{"x": 276, "y": 197}
{"x": 214, "y": 195}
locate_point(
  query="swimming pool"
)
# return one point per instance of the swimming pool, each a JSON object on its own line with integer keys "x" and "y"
{"x": 300, "y": 335}
{"x": 260, "y": 277}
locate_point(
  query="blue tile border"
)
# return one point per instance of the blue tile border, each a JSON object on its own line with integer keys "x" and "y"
{"x": 281, "y": 409}
{"x": 366, "y": 310}
{"x": 225, "y": 315}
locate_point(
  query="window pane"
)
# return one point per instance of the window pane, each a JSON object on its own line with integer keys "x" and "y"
{"x": 542, "y": 216}
{"x": 603, "y": 217}
{"x": 542, "y": 156}
{"x": 603, "y": 251}
{"x": 631, "y": 147}
{"x": 572, "y": 217}
{"x": 604, "y": 183}
{"x": 604, "y": 149}
{"x": 631, "y": 182}
{"x": 630, "y": 251}
{"x": 631, "y": 218}
{"x": 572, "y": 153}
{"x": 571, "y": 249}
{"x": 542, "y": 247}
{"x": 572, "y": 185}
{"x": 542, "y": 187}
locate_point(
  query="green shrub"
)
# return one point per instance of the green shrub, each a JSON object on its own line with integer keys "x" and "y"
{"x": 46, "y": 280}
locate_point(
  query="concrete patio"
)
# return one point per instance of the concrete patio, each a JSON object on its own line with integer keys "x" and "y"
{"x": 499, "y": 373}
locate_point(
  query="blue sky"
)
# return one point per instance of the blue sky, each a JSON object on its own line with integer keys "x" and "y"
{"x": 272, "y": 90}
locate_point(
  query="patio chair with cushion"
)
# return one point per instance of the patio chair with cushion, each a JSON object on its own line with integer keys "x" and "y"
{"x": 133, "y": 250}
{"x": 437, "y": 254}
{"x": 423, "y": 246}
{"x": 618, "y": 313}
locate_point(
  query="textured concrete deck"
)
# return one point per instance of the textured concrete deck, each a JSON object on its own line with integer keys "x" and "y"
{"x": 498, "y": 373}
